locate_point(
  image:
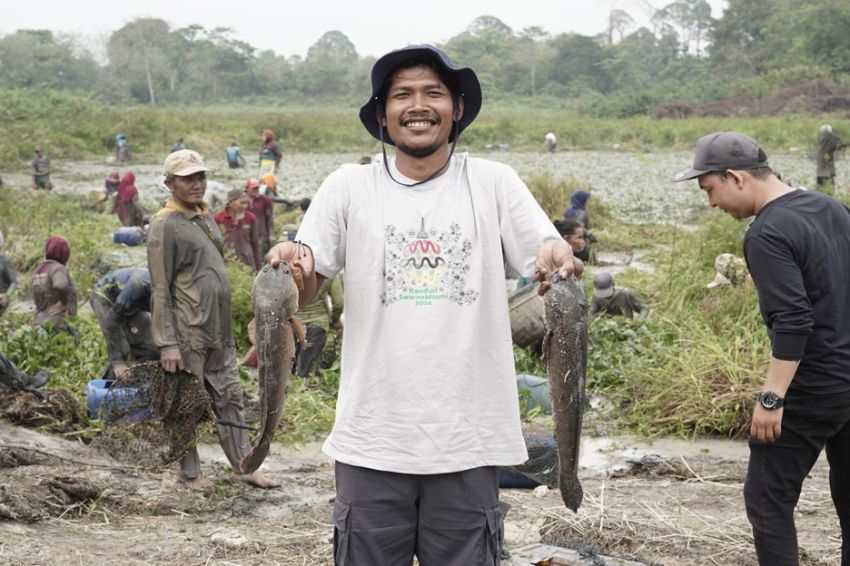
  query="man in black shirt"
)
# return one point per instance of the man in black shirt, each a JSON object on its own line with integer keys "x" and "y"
{"x": 798, "y": 253}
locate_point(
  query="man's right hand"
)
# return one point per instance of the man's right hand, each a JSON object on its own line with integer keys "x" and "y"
{"x": 300, "y": 259}
{"x": 171, "y": 360}
{"x": 120, "y": 369}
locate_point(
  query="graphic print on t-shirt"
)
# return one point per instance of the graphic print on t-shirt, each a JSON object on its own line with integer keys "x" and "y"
{"x": 426, "y": 266}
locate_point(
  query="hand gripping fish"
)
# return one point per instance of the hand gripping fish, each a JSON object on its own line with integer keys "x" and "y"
{"x": 565, "y": 352}
{"x": 275, "y": 300}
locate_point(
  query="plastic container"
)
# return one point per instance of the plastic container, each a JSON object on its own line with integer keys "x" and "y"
{"x": 129, "y": 236}
{"x": 101, "y": 393}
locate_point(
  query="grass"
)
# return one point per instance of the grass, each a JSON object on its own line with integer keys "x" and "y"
{"x": 77, "y": 125}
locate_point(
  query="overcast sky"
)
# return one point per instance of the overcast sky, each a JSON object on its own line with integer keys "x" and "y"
{"x": 290, "y": 27}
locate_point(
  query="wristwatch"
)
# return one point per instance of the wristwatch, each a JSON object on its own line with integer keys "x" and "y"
{"x": 770, "y": 400}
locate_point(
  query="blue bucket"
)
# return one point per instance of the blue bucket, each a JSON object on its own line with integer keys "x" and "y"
{"x": 101, "y": 393}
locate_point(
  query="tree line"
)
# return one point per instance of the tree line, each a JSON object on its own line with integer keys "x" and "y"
{"x": 683, "y": 54}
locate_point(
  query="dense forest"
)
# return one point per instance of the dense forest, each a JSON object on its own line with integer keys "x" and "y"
{"x": 682, "y": 59}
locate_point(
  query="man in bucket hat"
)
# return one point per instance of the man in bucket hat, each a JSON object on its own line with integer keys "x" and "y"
{"x": 798, "y": 252}
{"x": 190, "y": 308}
{"x": 427, "y": 406}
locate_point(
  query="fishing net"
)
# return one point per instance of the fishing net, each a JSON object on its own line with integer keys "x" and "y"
{"x": 151, "y": 417}
{"x": 542, "y": 463}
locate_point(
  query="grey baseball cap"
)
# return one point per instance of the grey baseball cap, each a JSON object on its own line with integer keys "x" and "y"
{"x": 724, "y": 150}
{"x": 603, "y": 285}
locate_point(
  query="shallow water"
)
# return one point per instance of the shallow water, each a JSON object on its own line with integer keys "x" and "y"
{"x": 635, "y": 185}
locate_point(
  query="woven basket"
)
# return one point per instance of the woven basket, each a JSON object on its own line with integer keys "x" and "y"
{"x": 526, "y": 311}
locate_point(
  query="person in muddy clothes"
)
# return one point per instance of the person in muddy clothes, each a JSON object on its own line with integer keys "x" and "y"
{"x": 798, "y": 253}
{"x": 8, "y": 277}
{"x": 41, "y": 170}
{"x": 190, "y": 308}
{"x": 574, "y": 234}
{"x": 239, "y": 226}
{"x": 268, "y": 185}
{"x": 121, "y": 301}
{"x": 616, "y": 301}
{"x": 127, "y": 206}
{"x": 178, "y": 145}
{"x": 578, "y": 208}
{"x": 15, "y": 379}
{"x": 263, "y": 209}
{"x": 122, "y": 147}
{"x": 270, "y": 154}
{"x": 113, "y": 181}
{"x": 731, "y": 271}
{"x": 53, "y": 292}
{"x": 828, "y": 145}
{"x": 427, "y": 406}
{"x": 550, "y": 142}
{"x": 318, "y": 317}
{"x": 234, "y": 156}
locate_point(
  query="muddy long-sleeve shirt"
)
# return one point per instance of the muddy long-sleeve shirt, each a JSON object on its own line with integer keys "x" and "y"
{"x": 127, "y": 291}
{"x": 263, "y": 210}
{"x": 190, "y": 303}
{"x": 53, "y": 293}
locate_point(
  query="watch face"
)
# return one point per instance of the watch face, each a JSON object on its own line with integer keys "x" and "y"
{"x": 769, "y": 399}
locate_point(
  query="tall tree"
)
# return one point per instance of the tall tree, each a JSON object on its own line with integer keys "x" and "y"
{"x": 136, "y": 51}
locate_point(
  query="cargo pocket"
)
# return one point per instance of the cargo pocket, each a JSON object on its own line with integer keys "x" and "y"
{"x": 495, "y": 534}
{"x": 342, "y": 532}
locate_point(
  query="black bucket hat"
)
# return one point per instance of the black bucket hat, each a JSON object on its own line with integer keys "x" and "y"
{"x": 465, "y": 84}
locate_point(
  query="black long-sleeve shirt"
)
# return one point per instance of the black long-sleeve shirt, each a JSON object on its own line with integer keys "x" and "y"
{"x": 798, "y": 253}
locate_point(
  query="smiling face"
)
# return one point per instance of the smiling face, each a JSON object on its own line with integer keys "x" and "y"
{"x": 420, "y": 111}
{"x": 729, "y": 193}
{"x": 238, "y": 206}
{"x": 188, "y": 191}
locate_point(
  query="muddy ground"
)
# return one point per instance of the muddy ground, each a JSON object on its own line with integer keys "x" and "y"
{"x": 63, "y": 502}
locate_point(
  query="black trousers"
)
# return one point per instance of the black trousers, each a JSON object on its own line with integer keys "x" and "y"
{"x": 306, "y": 355}
{"x": 777, "y": 470}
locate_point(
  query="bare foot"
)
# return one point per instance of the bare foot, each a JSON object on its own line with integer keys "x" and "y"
{"x": 199, "y": 483}
{"x": 256, "y": 479}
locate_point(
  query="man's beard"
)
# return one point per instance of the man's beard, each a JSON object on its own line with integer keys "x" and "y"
{"x": 420, "y": 151}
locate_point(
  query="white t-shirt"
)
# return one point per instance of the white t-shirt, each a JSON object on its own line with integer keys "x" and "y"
{"x": 428, "y": 383}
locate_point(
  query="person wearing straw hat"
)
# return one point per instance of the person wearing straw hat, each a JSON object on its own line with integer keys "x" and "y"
{"x": 797, "y": 250}
{"x": 427, "y": 407}
{"x": 190, "y": 309}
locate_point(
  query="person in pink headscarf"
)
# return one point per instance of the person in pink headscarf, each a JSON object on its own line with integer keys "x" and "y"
{"x": 52, "y": 289}
{"x": 127, "y": 206}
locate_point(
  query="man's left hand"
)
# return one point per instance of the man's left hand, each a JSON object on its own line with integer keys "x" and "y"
{"x": 555, "y": 256}
{"x": 767, "y": 425}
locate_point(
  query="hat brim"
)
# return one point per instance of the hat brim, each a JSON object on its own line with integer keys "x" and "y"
{"x": 189, "y": 170}
{"x": 689, "y": 174}
{"x": 465, "y": 79}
